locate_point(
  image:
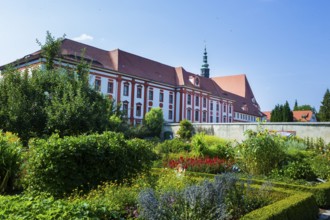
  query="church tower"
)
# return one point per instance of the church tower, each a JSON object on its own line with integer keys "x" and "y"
{"x": 205, "y": 71}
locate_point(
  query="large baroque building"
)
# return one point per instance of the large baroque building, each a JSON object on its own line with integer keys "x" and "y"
{"x": 140, "y": 84}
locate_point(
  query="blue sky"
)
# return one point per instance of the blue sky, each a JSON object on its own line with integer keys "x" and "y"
{"x": 283, "y": 46}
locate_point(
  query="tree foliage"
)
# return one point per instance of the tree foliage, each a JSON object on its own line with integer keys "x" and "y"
{"x": 282, "y": 113}
{"x": 186, "y": 130}
{"x": 324, "y": 113}
{"x": 154, "y": 120}
{"x": 39, "y": 102}
{"x": 303, "y": 107}
{"x": 51, "y": 49}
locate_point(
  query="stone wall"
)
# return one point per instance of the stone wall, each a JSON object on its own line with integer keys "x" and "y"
{"x": 235, "y": 131}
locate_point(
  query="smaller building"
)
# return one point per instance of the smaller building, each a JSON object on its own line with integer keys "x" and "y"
{"x": 298, "y": 116}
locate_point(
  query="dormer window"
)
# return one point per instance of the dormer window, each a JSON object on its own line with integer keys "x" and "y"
{"x": 197, "y": 81}
{"x": 194, "y": 80}
{"x": 245, "y": 108}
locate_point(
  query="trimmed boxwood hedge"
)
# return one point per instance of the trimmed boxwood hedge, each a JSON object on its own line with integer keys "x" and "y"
{"x": 321, "y": 191}
{"x": 60, "y": 165}
{"x": 300, "y": 205}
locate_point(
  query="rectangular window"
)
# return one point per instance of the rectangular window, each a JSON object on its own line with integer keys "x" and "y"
{"x": 189, "y": 114}
{"x": 125, "y": 108}
{"x": 211, "y": 106}
{"x": 171, "y": 99}
{"x": 149, "y": 108}
{"x": 217, "y": 119}
{"x": 151, "y": 94}
{"x": 211, "y": 119}
{"x": 204, "y": 116}
{"x": 126, "y": 89}
{"x": 110, "y": 87}
{"x": 161, "y": 97}
{"x": 204, "y": 102}
{"x": 217, "y": 106}
{"x": 97, "y": 84}
{"x": 197, "y": 101}
{"x": 224, "y": 107}
{"x": 170, "y": 114}
{"x": 189, "y": 99}
{"x": 139, "y": 92}
{"x": 196, "y": 115}
{"x": 229, "y": 109}
{"x": 138, "y": 110}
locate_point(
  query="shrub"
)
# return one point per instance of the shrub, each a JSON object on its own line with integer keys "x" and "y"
{"x": 47, "y": 207}
{"x": 224, "y": 198}
{"x": 186, "y": 130}
{"x": 173, "y": 146}
{"x": 211, "y": 146}
{"x": 59, "y": 165}
{"x": 299, "y": 170}
{"x": 154, "y": 120}
{"x": 198, "y": 143}
{"x": 261, "y": 153}
{"x": 320, "y": 165}
{"x": 205, "y": 201}
{"x": 10, "y": 161}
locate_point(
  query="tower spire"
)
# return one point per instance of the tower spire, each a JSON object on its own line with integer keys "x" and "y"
{"x": 205, "y": 71}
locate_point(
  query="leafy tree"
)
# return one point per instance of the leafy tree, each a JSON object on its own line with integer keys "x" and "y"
{"x": 154, "y": 120}
{"x": 186, "y": 129}
{"x": 51, "y": 49}
{"x": 21, "y": 105}
{"x": 303, "y": 107}
{"x": 44, "y": 101}
{"x": 324, "y": 113}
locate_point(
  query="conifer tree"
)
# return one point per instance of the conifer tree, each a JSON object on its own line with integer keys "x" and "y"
{"x": 324, "y": 113}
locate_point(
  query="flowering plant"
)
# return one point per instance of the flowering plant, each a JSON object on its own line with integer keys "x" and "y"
{"x": 201, "y": 164}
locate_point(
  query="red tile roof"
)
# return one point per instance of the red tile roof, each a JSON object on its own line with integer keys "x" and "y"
{"x": 237, "y": 84}
{"x": 235, "y": 88}
{"x": 299, "y": 116}
{"x": 302, "y": 116}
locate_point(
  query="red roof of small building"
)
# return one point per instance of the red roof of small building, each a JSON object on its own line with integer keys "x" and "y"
{"x": 298, "y": 116}
{"x": 302, "y": 116}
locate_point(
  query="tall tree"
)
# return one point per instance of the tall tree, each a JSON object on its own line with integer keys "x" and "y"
{"x": 295, "y": 108}
{"x": 324, "y": 113}
{"x": 51, "y": 100}
{"x": 51, "y": 49}
{"x": 281, "y": 113}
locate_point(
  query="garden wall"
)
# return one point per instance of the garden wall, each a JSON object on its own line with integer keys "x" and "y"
{"x": 235, "y": 131}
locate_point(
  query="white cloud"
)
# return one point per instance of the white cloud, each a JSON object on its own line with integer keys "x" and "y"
{"x": 83, "y": 37}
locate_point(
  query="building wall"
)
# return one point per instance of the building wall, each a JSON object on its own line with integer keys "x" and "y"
{"x": 179, "y": 107}
{"x": 173, "y": 112}
{"x": 235, "y": 131}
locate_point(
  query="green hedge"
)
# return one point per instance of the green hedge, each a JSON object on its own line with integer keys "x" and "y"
{"x": 300, "y": 205}
{"x": 321, "y": 191}
{"x": 60, "y": 165}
